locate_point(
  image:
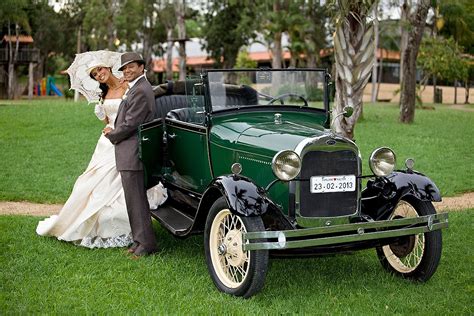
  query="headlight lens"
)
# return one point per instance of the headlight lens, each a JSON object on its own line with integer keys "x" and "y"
{"x": 286, "y": 165}
{"x": 382, "y": 161}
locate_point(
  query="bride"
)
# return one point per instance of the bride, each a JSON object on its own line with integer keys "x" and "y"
{"x": 95, "y": 214}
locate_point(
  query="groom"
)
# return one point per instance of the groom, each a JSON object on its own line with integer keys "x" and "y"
{"x": 136, "y": 108}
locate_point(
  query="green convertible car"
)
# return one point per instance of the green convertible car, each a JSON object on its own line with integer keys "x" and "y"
{"x": 249, "y": 159}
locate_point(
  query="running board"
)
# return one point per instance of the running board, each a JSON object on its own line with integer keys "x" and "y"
{"x": 172, "y": 219}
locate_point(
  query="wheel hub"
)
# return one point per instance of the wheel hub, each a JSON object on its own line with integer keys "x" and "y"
{"x": 222, "y": 249}
{"x": 231, "y": 248}
{"x": 403, "y": 247}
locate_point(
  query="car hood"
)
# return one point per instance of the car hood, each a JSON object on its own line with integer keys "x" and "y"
{"x": 264, "y": 137}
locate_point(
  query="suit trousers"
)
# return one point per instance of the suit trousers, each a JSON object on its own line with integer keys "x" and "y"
{"x": 138, "y": 208}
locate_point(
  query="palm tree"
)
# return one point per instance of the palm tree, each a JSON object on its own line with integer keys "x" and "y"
{"x": 354, "y": 51}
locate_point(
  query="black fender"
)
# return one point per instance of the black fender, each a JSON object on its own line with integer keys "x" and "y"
{"x": 244, "y": 197}
{"x": 383, "y": 193}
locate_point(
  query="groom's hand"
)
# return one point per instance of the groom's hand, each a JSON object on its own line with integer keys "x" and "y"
{"x": 106, "y": 131}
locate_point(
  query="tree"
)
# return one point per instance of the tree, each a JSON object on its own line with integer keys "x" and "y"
{"x": 274, "y": 21}
{"x": 15, "y": 19}
{"x": 44, "y": 23}
{"x": 244, "y": 60}
{"x": 168, "y": 19}
{"x": 99, "y": 23}
{"x": 441, "y": 58}
{"x": 315, "y": 32}
{"x": 306, "y": 32}
{"x": 354, "y": 57}
{"x": 457, "y": 21}
{"x": 229, "y": 26}
{"x": 413, "y": 25}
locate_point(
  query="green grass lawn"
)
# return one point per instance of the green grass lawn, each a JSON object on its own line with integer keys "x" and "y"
{"x": 46, "y": 144}
{"x": 44, "y": 275}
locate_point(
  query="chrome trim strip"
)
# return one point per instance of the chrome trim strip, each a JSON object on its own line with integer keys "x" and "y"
{"x": 186, "y": 126}
{"x": 359, "y": 235}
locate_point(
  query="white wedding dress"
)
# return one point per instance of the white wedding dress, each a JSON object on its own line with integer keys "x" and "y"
{"x": 95, "y": 215}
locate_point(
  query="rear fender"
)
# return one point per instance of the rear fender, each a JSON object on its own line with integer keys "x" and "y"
{"x": 383, "y": 194}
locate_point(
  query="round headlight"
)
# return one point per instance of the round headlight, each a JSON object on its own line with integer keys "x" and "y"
{"x": 286, "y": 165}
{"x": 382, "y": 161}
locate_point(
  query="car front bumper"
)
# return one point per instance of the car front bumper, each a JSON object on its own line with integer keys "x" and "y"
{"x": 346, "y": 233}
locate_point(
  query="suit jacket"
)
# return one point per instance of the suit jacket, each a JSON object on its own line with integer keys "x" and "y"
{"x": 137, "y": 108}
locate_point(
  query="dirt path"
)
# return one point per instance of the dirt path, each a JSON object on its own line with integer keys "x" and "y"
{"x": 462, "y": 202}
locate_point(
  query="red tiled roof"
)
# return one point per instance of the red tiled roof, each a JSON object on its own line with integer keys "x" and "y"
{"x": 21, "y": 38}
{"x": 159, "y": 65}
{"x": 388, "y": 54}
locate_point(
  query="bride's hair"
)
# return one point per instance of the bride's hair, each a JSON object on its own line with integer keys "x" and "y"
{"x": 105, "y": 88}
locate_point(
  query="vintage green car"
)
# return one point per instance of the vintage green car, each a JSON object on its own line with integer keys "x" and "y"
{"x": 249, "y": 159}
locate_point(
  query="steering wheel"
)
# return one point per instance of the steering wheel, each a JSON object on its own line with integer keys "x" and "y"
{"x": 286, "y": 95}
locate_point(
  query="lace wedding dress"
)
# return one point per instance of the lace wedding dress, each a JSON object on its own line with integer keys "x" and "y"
{"x": 95, "y": 215}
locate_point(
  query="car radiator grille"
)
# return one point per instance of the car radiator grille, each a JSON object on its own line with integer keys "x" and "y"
{"x": 319, "y": 163}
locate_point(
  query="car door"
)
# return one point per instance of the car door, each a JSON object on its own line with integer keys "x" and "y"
{"x": 150, "y": 150}
{"x": 187, "y": 143}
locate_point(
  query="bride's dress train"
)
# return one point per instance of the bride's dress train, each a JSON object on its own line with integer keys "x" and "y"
{"x": 95, "y": 214}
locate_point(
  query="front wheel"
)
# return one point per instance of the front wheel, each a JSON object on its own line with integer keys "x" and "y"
{"x": 233, "y": 271}
{"x": 414, "y": 257}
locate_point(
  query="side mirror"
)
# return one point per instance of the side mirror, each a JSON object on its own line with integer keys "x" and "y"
{"x": 347, "y": 111}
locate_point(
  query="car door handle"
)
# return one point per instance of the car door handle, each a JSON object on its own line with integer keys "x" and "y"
{"x": 145, "y": 139}
{"x": 171, "y": 136}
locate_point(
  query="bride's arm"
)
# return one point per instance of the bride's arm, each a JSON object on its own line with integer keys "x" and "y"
{"x": 99, "y": 111}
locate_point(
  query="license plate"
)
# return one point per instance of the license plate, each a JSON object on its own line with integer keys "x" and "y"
{"x": 327, "y": 184}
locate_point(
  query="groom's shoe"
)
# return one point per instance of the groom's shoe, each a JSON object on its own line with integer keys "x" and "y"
{"x": 141, "y": 251}
{"x": 133, "y": 247}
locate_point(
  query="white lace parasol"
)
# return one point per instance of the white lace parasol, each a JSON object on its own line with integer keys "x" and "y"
{"x": 80, "y": 79}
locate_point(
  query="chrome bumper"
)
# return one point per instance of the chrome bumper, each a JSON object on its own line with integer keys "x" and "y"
{"x": 355, "y": 232}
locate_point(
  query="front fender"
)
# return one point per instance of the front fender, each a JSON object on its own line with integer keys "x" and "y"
{"x": 383, "y": 194}
{"x": 243, "y": 196}
{"x": 416, "y": 184}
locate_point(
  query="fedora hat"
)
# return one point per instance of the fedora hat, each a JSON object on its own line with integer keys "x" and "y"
{"x": 130, "y": 57}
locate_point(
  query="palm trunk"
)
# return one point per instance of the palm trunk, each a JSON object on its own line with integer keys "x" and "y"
{"x": 169, "y": 55}
{"x": 379, "y": 77}
{"x": 354, "y": 59}
{"x": 376, "y": 44}
{"x": 180, "y": 11}
{"x": 276, "y": 51}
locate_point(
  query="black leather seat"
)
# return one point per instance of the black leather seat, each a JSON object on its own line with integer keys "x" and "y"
{"x": 188, "y": 115}
{"x": 232, "y": 95}
{"x": 166, "y": 103}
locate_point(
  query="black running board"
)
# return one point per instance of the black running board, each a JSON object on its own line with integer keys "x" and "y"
{"x": 172, "y": 219}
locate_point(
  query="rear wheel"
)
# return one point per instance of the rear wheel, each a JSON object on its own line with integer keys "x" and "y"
{"x": 415, "y": 257}
{"x": 233, "y": 271}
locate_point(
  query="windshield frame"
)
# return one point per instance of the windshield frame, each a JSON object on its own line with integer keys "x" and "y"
{"x": 325, "y": 82}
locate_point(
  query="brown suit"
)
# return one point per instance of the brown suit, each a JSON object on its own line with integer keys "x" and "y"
{"x": 136, "y": 109}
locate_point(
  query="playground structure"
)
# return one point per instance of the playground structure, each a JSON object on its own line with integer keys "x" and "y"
{"x": 47, "y": 86}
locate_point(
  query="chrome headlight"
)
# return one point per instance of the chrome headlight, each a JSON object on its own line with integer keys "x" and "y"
{"x": 382, "y": 161}
{"x": 286, "y": 165}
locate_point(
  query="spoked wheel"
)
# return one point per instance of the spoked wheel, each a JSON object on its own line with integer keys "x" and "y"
{"x": 233, "y": 271}
{"x": 415, "y": 257}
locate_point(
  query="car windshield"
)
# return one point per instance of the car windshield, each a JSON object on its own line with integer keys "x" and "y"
{"x": 295, "y": 87}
